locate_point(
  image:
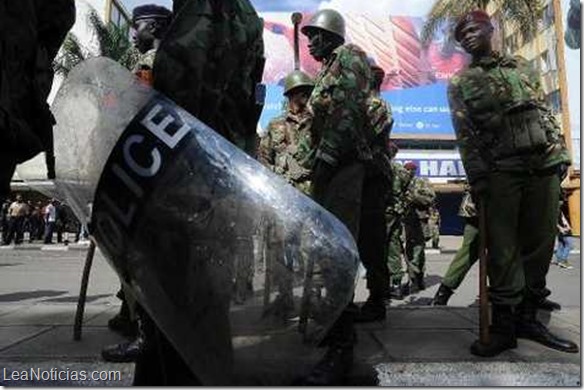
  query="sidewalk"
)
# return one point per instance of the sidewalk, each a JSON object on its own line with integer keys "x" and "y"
{"x": 417, "y": 345}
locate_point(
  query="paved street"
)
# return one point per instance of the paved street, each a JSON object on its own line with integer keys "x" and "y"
{"x": 418, "y": 345}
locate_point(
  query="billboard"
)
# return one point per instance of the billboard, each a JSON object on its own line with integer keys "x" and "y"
{"x": 389, "y": 32}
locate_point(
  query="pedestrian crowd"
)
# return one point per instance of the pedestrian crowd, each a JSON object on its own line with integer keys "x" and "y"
{"x": 39, "y": 221}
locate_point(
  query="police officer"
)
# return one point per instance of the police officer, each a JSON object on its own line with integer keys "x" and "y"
{"x": 31, "y": 33}
{"x": 467, "y": 254}
{"x": 372, "y": 240}
{"x": 282, "y": 150}
{"x": 395, "y": 210}
{"x": 515, "y": 156}
{"x": 150, "y": 22}
{"x": 419, "y": 197}
{"x": 339, "y": 106}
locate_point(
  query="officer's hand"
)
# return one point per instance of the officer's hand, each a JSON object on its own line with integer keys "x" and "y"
{"x": 562, "y": 171}
{"x": 479, "y": 188}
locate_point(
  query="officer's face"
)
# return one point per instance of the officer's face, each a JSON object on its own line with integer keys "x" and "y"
{"x": 317, "y": 44}
{"x": 298, "y": 98}
{"x": 143, "y": 35}
{"x": 475, "y": 38}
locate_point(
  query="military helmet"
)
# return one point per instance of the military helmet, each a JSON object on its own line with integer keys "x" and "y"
{"x": 328, "y": 20}
{"x": 297, "y": 79}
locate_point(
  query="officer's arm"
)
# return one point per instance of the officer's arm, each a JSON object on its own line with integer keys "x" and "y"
{"x": 553, "y": 128}
{"x": 346, "y": 102}
{"x": 474, "y": 164}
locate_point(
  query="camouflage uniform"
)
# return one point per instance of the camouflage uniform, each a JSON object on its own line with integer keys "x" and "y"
{"x": 210, "y": 63}
{"x": 401, "y": 179}
{"x": 419, "y": 197}
{"x": 434, "y": 227}
{"x": 509, "y": 139}
{"x": 468, "y": 253}
{"x": 281, "y": 148}
{"x": 341, "y": 181}
{"x": 279, "y": 151}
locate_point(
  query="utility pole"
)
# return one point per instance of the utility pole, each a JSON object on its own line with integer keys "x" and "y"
{"x": 572, "y": 185}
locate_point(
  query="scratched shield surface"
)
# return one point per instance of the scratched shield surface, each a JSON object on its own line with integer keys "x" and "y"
{"x": 242, "y": 273}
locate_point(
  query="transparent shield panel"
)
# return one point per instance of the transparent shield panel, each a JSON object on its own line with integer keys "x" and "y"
{"x": 242, "y": 272}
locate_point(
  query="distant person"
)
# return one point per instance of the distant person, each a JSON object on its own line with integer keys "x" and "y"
{"x": 17, "y": 212}
{"x": 50, "y": 221}
{"x": 564, "y": 243}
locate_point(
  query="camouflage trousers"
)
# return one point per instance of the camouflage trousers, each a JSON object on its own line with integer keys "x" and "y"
{"x": 395, "y": 249}
{"x": 415, "y": 245}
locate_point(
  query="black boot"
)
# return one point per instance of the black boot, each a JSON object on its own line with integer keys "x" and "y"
{"x": 395, "y": 291}
{"x": 124, "y": 352}
{"x": 442, "y": 295}
{"x": 337, "y": 363}
{"x": 502, "y": 333}
{"x": 546, "y": 304}
{"x": 418, "y": 282}
{"x": 529, "y": 327}
{"x": 372, "y": 310}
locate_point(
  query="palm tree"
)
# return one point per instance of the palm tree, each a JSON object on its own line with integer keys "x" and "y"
{"x": 524, "y": 14}
{"x": 112, "y": 42}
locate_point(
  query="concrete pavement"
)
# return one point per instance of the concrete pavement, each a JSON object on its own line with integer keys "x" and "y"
{"x": 417, "y": 345}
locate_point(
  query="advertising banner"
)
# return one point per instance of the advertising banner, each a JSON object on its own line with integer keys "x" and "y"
{"x": 389, "y": 32}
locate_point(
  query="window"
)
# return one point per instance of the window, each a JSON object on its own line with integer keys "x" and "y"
{"x": 548, "y": 16}
{"x": 544, "y": 60}
{"x": 553, "y": 100}
{"x": 118, "y": 16}
{"x": 512, "y": 43}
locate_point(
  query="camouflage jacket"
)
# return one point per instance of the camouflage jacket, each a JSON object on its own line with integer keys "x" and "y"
{"x": 397, "y": 202}
{"x": 339, "y": 104}
{"x": 282, "y": 148}
{"x": 419, "y": 198}
{"x": 380, "y": 121}
{"x": 145, "y": 60}
{"x": 211, "y": 61}
{"x": 501, "y": 120}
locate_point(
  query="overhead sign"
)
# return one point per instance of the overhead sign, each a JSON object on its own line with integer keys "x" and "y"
{"x": 439, "y": 166}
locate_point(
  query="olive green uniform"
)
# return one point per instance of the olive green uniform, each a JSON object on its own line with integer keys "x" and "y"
{"x": 510, "y": 140}
{"x": 468, "y": 253}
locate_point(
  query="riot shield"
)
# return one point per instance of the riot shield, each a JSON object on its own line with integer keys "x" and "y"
{"x": 240, "y": 271}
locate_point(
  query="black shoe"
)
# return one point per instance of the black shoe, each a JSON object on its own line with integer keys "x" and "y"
{"x": 546, "y": 304}
{"x": 442, "y": 296}
{"x": 123, "y": 325}
{"x": 395, "y": 291}
{"x": 419, "y": 282}
{"x": 536, "y": 331}
{"x": 372, "y": 310}
{"x": 124, "y": 352}
{"x": 331, "y": 370}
